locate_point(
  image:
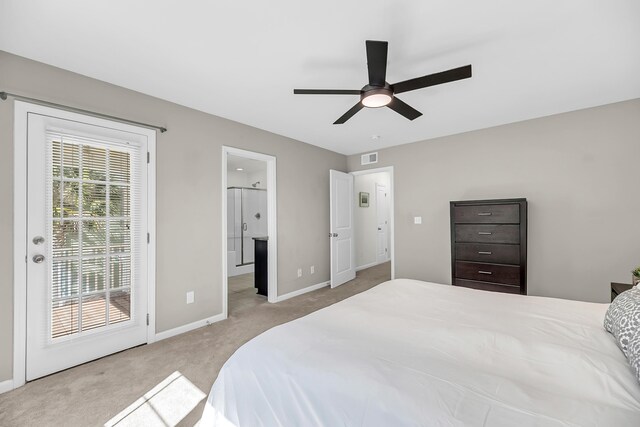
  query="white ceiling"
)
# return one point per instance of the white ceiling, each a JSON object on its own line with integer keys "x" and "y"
{"x": 248, "y": 166}
{"x": 242, "y": 59}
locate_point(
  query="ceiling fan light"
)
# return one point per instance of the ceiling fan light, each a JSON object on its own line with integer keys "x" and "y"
{"x": 376, "y": 100}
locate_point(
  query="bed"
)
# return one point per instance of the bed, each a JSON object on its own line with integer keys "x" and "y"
{"x": 411, "y": 353}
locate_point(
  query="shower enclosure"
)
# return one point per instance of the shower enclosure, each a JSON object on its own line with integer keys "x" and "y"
{"x": 246, "y": 219}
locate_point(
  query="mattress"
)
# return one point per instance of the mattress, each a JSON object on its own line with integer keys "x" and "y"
{"x": 411, "y": 353}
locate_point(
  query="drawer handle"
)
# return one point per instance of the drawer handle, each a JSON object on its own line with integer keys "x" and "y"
{"x": 484, "y": 233}
{"x": 484, "y": 272}
{"x": 485, "y": 253}
{"x": 484, "y": 214}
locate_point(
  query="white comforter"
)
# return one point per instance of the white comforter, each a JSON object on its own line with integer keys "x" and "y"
{"x": 410, "y": 353}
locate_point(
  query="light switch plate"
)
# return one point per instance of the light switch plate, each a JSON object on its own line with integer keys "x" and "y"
{"x": 417, "y": 220}
{"x": 190, "y": 297}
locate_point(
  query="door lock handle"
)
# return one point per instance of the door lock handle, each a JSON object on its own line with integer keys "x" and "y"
{"x": 38, "y": 240}
{"x": 38, "y": 259}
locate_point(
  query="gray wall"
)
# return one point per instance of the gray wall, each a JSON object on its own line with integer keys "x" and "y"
{"x": 188, "y": 174}
{"x": 580, "y": 172}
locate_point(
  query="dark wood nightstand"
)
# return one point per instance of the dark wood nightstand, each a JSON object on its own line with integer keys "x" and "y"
{"x": 618, "y": 288}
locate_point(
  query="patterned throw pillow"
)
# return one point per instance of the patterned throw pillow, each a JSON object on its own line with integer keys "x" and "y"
{"x": 623, "y": 318}
{"x": 634, "y": 353}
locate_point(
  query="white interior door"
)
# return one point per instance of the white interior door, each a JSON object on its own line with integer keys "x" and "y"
{"x": 86, "y": 242}
{"x": 382, "y": 215}
{"x": 341, "y": 232}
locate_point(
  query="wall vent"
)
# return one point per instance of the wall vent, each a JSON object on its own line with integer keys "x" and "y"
{"x": 369, "y": 158}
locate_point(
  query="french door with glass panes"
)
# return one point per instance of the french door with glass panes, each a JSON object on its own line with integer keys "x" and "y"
{"x": 86, "y": 242}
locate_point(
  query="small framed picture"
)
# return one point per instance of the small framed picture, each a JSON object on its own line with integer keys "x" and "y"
{"x": 364, "y": 199}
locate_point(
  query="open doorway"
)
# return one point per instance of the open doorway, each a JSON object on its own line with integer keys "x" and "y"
{"x": 373, "y": 218}
{"x": 248, "y": 230}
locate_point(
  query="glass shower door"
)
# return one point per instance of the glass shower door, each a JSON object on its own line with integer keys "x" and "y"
{"x": 254, "y": 220}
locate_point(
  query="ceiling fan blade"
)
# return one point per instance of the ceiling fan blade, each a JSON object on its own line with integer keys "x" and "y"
{"x": 326, "y": 92}
{"x": 377, "y": 62}
{"x": 404, "y": 109}
{"x": 433, "y": 79}
{"x": 346, "y": 116}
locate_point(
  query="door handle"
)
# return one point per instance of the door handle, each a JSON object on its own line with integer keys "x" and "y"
{"x": 333, "y": 234}
{"x": 38, "y": 259}
{"x": 379, "y": 229}
{"x": 244, "y": 226}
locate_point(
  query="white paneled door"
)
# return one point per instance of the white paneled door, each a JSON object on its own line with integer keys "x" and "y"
{"x": 341, "y": 228}
{"x": 86, "y": 242}
{"x": 382, "y": 219}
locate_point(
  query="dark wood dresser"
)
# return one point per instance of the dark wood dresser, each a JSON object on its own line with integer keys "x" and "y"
{"x": 489, "y": 245}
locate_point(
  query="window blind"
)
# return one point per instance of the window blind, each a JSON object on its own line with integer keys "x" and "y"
{"x": 95, "y": 227}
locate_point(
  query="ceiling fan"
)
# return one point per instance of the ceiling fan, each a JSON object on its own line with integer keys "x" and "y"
{"x": 379, "y": 93}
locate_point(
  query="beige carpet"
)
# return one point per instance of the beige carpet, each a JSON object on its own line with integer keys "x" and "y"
{"x": 94, "y": 393}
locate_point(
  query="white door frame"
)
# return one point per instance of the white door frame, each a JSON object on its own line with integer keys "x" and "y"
{"x": 272, "y": 222}
{"x": 392, "y": 234}
{"x": 21, "y": 111}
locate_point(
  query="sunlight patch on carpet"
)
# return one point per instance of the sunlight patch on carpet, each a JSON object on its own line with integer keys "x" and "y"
{"x": 164, "y": 405}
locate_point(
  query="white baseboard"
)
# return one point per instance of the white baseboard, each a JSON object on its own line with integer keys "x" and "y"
{"x": 372, "y": 264}
{"x": 6, "y": 386}
{"x": 302, "y": 291}
{"x": 189, "y": 327}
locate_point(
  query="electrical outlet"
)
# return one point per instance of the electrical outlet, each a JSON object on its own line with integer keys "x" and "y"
{"x": 299, "y": 272}
{"x": 190, "y": 297}
{"x": 417, "y": 220}
{"x": 312, "y": 269}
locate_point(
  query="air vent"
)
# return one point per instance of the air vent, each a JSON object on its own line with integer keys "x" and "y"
{"x": 369, "y": 158}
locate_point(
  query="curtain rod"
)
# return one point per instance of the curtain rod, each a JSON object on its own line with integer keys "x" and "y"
{"x": 4, "y": 95}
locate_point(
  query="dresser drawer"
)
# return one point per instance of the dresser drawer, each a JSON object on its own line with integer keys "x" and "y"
{"x": 485, "y": 252}
{"x": 485, "y": 233}
{"x": 495, "y": 273}
{"x": 510, "y": 289}
{"x": 481, "y": 214}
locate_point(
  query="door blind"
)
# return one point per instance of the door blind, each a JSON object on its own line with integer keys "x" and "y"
{"x": 94, "y": 190}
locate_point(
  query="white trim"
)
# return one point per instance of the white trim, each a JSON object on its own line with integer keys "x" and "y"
{"x": 189, "y": 327}
{"x": 303, "y": 291}
{"x": 392, "y": 209}
{"x": 272, "y": 222}
{"x": 19, "y": 243}
{"x": 6, "y": 386}
{"x": 151, "y": 246}
{"x": 20, "y": 126}
{"x": 371, "y": 264}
